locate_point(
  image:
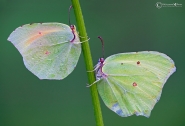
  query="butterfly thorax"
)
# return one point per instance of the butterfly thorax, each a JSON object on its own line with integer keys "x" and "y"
{"x": 99, "y": 72}
{"x": 75, "y": 35}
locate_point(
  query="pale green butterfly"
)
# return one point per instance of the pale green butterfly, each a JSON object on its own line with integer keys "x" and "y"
{"x": 49, "y": 50}
{"x": 131, "y": 83}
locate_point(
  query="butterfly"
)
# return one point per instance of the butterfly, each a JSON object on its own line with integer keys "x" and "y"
{"x": 131, "y": 83}
{"x": 49, "y": 50}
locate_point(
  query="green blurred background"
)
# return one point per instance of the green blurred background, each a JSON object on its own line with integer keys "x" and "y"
{"x": 126, "y": 26}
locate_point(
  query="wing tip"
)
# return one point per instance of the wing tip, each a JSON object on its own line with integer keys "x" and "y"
{"x": 8, "y": 38}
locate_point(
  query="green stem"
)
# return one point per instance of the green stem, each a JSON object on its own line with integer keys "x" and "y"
{"x": 88, "y": 61}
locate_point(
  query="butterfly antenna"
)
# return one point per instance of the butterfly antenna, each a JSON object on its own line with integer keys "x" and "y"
{"x": 102, "y": 45}
{"x": 69, "y": 15}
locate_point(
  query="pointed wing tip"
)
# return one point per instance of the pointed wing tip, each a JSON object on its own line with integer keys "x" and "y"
{"x": 169, "y": 74}
{"x": 8, "y": 38}
{"x": 173, "y": 70}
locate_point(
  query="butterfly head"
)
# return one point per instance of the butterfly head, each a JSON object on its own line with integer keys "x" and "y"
{"x": 101, "y": 60}
{"x": 72, "y": 27}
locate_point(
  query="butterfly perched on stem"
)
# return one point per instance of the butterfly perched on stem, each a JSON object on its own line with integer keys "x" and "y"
{"x": 49, "y": 50}
{"x": 131, "y": 83}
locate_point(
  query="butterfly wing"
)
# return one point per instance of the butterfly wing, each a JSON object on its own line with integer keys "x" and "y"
{"x": 134, "y": 81}
{"x": 46, "y": 49}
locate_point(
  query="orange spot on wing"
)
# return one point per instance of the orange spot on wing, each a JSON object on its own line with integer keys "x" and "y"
{"x": 30, "y": 40}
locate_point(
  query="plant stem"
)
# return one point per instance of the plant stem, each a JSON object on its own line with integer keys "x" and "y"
{"x": 88, "y": 61}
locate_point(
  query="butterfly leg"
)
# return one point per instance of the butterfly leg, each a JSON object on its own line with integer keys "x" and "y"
{"x": 89, "y": 85}
{"x": 95, "y": 68}
{"x": 80, "y": 36}
{"x": 82, "y": 41}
